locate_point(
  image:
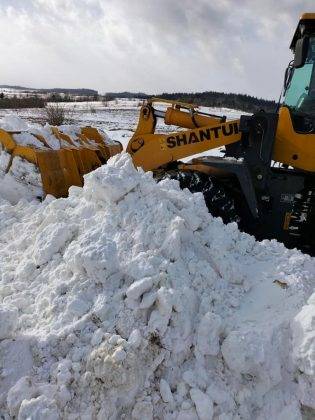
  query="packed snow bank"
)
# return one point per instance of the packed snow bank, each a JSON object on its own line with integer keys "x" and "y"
{"x": 128, "y": 300}
{"x": 19, "y": 178}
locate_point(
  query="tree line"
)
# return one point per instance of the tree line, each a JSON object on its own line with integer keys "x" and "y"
{"x": 238, "y": 101}
{"x": 36, "y": 101}
{"x": 13, "y": 102}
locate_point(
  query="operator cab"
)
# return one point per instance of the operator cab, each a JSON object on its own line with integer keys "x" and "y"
{"x": 299, "y": 87}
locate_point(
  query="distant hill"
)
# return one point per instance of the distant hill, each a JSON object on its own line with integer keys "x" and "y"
{"x": 66, "y": 91}
{"x": 13, "y": 87}
{"x": 128, "y": 95}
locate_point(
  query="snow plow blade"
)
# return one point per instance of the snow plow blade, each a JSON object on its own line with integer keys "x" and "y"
{"x": 56, "y": 161}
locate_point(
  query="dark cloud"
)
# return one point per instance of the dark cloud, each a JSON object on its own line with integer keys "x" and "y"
{"x": 153, "y": 46}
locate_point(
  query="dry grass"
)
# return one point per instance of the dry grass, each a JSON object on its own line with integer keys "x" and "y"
{"x": 55, "y": 115}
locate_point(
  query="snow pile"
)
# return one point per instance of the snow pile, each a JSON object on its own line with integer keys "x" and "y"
{"x": 128, "y": 300}
{"x": 12, "y": 122}
{"x": 18, "y": 177}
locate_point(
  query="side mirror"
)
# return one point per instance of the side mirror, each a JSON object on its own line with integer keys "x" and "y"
{"x": 301, "y": 49}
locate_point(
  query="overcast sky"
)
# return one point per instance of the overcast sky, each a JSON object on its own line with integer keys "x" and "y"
{"x": 149, "y": 45}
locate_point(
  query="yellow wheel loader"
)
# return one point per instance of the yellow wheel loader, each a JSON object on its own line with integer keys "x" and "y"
{"x": 266, "y": 179}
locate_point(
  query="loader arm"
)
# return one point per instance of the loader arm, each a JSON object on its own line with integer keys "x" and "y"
{"x": 151, "y": 150}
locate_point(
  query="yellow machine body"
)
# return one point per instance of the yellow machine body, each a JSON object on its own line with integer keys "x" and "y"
{"x": 292, "y": 148}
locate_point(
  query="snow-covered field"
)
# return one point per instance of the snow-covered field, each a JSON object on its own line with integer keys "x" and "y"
{"x": 119, "y": 118}
{"x": 128, "y": 300}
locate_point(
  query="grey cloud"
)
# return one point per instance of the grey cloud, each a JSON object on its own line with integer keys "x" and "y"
{"x": 149, "y": 45}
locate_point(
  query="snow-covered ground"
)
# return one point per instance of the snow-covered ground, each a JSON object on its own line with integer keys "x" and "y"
{"x": 128, "y": 300}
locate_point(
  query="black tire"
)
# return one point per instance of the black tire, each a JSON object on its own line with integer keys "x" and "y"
{"x": 302, "y": 222}
{"x": 217, "y": 199}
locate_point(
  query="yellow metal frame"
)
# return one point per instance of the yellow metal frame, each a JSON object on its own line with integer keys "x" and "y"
{"x": 292, "y": 148}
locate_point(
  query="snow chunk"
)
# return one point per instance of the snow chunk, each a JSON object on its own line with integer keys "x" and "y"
{"x": 244, "y": 352}
{"x": 51, "y": 240}
{"x": 28, "y": 139}
{"x": 24, "y": 389}
{"x": 165, "y": 391}
{"x": 142, "y": 410}
{"x": 303, "y": 327}
{"x": 109, "y": 185}
{"x": 204, "y": 405}
{"x": 135, "y": 338}
{"x": 253, "y": 353}
{"x": 93, "y": 253}
{"x": 139, "y": 287}
{"x": 39, "y": 408}
{"x": 13, "y": 123}
{"x": 8, "y": 321}
{"x": 208, "y": 333}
